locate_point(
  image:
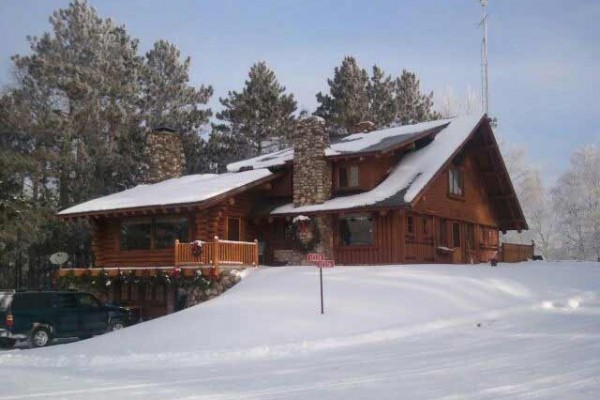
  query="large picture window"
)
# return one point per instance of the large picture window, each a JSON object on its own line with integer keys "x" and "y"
{"x": 348, "y": 177}
{"x": 153, "y": 233}
{"x": 356, "y": 230}
{"x": 456, "y": 182}
{"x": 136, "y": 234}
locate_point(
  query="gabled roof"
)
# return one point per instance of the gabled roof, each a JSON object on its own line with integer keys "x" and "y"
{"x": 417, "y": 169}
{"x": 409, "y": 176}
{"x": 186, "y": 190}
{"x": 358, "y": 144}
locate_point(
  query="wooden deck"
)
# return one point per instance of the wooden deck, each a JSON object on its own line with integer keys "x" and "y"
{"x": 215, "y": 255}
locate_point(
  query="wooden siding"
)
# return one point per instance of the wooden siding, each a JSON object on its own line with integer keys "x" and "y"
{"x": 474, "y": 207}
{"x": 371, "y": 171}
{"x": 386, "y": 241}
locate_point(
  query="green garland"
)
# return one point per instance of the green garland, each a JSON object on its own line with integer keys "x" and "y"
{"x": 298, "y": 228}
{"x": 102, "y": 281}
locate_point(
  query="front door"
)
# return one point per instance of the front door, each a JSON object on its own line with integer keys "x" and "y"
{"x": 233, "y": 229}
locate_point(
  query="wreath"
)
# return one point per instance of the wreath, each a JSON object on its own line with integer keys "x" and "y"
{"x": 304, "y": 232}
{"x": 197, "y": 248}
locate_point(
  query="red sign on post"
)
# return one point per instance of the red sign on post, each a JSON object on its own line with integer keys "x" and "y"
{"x": 314, "y": 257}
{"x": 325, "y": 264}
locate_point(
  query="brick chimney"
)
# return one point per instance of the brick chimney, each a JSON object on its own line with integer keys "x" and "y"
{"x": 312, "y": 170}
{"x": 164, "y": 155}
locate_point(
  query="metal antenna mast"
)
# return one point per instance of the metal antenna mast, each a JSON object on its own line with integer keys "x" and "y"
{"x": 485, "y": 97}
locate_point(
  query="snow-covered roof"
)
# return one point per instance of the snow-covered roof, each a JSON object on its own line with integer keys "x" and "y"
{"x": 357, "y": 143}
{"x": 409, "y": 176}
{"x": 183, "y": 190}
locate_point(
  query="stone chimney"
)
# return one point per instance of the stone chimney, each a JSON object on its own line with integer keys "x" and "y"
{"x": 312, "y": 180}
{"x": 164, "y": 155}
{"x": 312, "y": 170}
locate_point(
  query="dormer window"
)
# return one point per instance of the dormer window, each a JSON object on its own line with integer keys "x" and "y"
{"x": 456, "y": 183}
{"x": 348, "y": 177}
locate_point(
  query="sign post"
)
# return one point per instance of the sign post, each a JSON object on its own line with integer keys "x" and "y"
{"x": 320, "y": 262}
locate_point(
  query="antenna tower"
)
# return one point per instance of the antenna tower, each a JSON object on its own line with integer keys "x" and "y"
{"x": 485, "y": 97}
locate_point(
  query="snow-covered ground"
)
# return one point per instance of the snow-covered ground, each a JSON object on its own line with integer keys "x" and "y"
{"x": 519, "y": 331}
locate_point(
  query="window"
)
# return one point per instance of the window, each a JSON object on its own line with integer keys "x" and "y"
{"x": 443, "y": 236}
{"x": 410, "y": 225}
{"x": 136, "y": 235}
{"x": 87, "y": 300}
{"x": 356, "y": 230}
{"x": 455, "y": 182}
{"x": 425, "y": 225}
{"x": 470, "y": 236}
{"x": 348, "y": 177}
{"x": 167, "y": 230}
{"x": 456, "y": 234}
{"x": 67, "y": 301}
{"x": 233, "y": 229}
{"x": 153, "y": 233}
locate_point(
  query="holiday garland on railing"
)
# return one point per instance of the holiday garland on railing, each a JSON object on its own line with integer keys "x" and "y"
{"x": 304, "y": 233}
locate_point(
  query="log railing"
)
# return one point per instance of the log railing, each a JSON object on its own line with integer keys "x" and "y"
{"x": 217, "y": 254}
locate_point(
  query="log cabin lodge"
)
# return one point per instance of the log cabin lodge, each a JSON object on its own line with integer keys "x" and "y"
{"x": 432, "y": 192}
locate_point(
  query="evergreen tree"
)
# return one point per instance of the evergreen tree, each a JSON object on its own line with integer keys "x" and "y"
{"x": 170, "y": 100}
{"x": 261, "y": 114}
{"x": 382, "y": 105}
{"x": 347, "y": 103}
{"x": 412, "y": 105}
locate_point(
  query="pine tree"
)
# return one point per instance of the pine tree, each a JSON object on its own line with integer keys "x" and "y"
{"x": 170, "y": 100}
{"x": 382, "y": 105}
{"x": 347, "y": 103}
{"x": 261, "y": 114}
{"x": 412, "y": 105}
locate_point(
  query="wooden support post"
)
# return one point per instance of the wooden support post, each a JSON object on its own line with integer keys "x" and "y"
{"x": 216, "y": 253}
{"x": 255, "y": 263}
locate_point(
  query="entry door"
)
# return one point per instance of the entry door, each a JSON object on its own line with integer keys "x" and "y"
{"x": 233, "y": 228}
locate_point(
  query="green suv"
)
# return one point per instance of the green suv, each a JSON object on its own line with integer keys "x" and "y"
{"x": 42, "y": 316}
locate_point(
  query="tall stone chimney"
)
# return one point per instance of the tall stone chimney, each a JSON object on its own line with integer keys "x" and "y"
{"x": 164, "y": 155}
{"x": 313, "y": 179}
{"x": 312, "y": 170}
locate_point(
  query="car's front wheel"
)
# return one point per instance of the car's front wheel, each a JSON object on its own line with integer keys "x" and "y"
{"x": 40, "y": 336}
{"x": 115, "y": 326}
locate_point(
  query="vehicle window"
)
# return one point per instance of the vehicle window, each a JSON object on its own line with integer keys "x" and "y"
{"x": 31, "y": 301}
{"x": 67, "y": 301}
{"x": 87, "y": 300}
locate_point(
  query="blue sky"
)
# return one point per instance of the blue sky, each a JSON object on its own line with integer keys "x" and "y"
{"x": 544, "y": 54}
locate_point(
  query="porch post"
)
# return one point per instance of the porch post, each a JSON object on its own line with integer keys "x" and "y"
{"x": 255, "y": 252}
{"x": 216, "y": 253}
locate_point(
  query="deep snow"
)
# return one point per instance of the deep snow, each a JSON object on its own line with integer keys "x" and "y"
{"x": 519, "y": 331}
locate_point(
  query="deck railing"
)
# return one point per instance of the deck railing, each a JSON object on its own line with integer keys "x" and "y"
{"x": 217, "y": 253}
